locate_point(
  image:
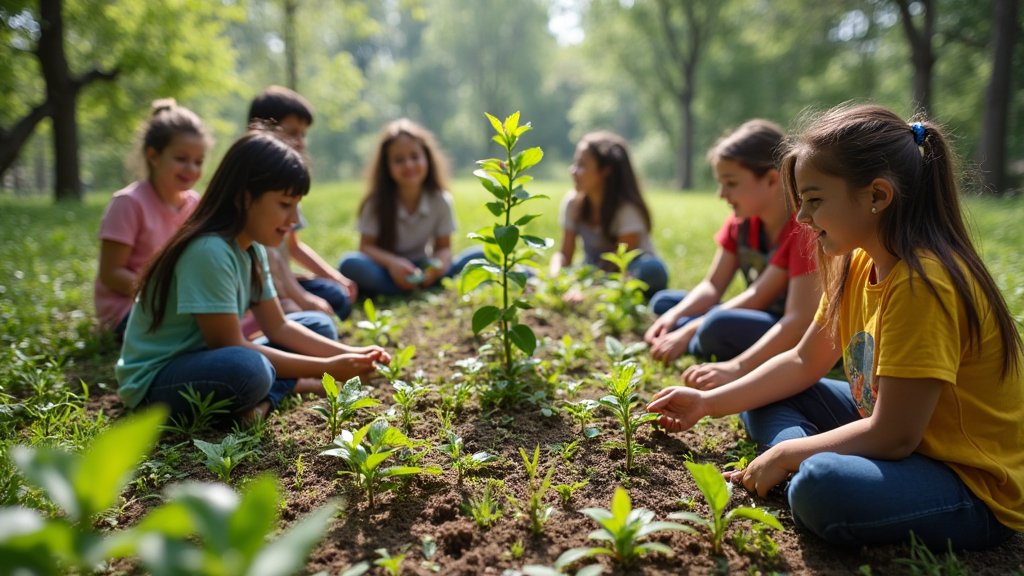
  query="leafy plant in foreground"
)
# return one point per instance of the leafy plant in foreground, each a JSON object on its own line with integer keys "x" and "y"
{"x": 621, "y": 403}
{"x": 223, "y": 458}
{"x": 621, "y": 298}
{"x": 624, "y": 530}
{"x": 923, "y": 562}
{"x": 399, "y": 360}
{"x": 565, "y": 491}
{"x": 582, "y": 412}
{"x": 341, "y": 404}
{"x": 82, "y": 486}
{"x": 505, "y": 179}
{"x": 365, "y": 460}
{"x": 717, "y": 493}
{"x": 619, "y": 352}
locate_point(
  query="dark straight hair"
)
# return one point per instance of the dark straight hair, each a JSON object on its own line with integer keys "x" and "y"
{"x": 259, "y": 162}
{"x": 620, "y": 185}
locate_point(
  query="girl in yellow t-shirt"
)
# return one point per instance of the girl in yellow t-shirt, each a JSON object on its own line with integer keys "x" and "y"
{"x": 928, "y": 434}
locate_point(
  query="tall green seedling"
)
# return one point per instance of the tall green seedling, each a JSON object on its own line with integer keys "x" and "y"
{"x": 506, "y": 247}
{"x": 537, "y": 487}
{"x": 341, "y": 404}
{"x": 717, "y": 492}
{"x": 621, "y": 402}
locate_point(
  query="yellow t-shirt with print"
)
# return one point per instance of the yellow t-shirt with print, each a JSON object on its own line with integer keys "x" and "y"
{"x": 899, "y": 328}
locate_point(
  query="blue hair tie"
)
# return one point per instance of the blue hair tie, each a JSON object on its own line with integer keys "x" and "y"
{"x": 918, "y": 130}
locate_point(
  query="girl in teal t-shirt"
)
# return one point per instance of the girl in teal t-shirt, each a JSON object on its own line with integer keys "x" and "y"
{"x": 184, "y": 330}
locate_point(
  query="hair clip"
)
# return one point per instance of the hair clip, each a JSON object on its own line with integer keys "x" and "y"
{"x": 918, "y": 130}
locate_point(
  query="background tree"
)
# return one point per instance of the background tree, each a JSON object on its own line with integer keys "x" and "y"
{"x": 995, "y": 118}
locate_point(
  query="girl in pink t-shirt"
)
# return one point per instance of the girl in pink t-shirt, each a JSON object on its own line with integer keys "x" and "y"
{"x": 763, "y": 242}
{"x": 143, "y": 216}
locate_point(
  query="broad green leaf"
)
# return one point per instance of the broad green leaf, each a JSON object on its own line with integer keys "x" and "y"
{"x": 507, "y": 237}
{"x": 649, "y": 547}
{"x": 621, "y": 505}
{"x": 287, "y": 555}
{"x": 53, "y": 471}
{"x": 573, "y": 555}
{"x": 711, "y": 484}
{"x": 470, "y": 278}
{"x": 511, "y": 123}
{"x": 529, "y": 157}
{"x": 255, "y": 516}
{"x": 758, "y": 514}
{"x": 524, "y": 339}
{"x": 496, "y": 208}
{"x": 525, "y": 219}
{"x": 110, "y": 461}
{"x": 484, "y": 317}
{"x": 330, "y": 384}
{"x": 495, "y": 123}
{"x": 538, "y": 242}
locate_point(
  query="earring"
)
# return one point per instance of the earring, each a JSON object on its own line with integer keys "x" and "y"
{"x": 874, "y": 210}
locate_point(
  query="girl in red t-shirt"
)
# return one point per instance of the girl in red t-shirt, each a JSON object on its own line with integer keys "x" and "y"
{"x": 763, "y": 242}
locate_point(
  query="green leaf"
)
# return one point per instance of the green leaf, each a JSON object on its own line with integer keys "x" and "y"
{"x": 711, "y": 483}
{"x": 524, "y": 339}
{"x": 573, "y": 555}
{"x": 538, "y": 242}
{"x": 330, "y": 384}
{"x": 512, "y": 123}
{"x": 525, "y": 219}
{"x": 496, "y": 208}
{"x": 53, "y": 471}
{"x": 255, "y": 517}
{"x": 507, "y": 237}
{"x": 472, "y": 276}
{"x": 495, "y": 123}
{"x": 287, "y": 555}
{"x": 110, "y": 461}
{"x": 484, "y": 317}
{"x": 519, "y": 278}
{"x": 527, "y": 158}
{"x": 758, "y": 514}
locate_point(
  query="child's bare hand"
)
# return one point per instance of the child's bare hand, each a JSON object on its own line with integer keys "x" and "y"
{"x": 400, "y": 270}
{"x": 663, "y": 325}
{"x": 712, "y": 374}
{"x": 573, "y": 296}
{"x": 345, "y": 366}
{"x": 672, "y": 345}
{"x": 680, "y": 407}
{"x": 762, "y": 474}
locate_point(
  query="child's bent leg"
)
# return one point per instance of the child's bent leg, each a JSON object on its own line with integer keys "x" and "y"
{"x": 239, "y": 375}
{"x": 331, "y": 291}
{"x": 726, "y": 333}
{"x": 651, "y": 270}
{"x": 664, "y": 300}
{"x": 853, "y": 501}
{"x": 372, "y": 278}
{"x": 464, "y": 258}
{"x": 824, "y": 406}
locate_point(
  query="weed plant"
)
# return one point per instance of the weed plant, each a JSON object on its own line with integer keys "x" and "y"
{"x": 620, "y": 304}
{"x": 537, "y": 511}
{"x": 222, "y": 458}
{"x": 465, "y": 464}
{"x": 485, "y": 509}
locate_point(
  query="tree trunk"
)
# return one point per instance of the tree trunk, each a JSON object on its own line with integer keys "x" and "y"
{"x": 290, "y": 49}
{"x": 686, "y": 149}
{"x": 995, "y": 114}
{"x": 922, "y": 56}
{"x": 13, "y": 140}
{"x": 61, "y": 94}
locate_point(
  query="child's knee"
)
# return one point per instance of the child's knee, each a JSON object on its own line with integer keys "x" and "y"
{"x": 813, "y": 492}
{"x": 253, "y": 374}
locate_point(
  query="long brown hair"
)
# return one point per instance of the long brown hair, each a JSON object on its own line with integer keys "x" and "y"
{"x": 382, "y": 190}
{"x": 257, "y": 163}
{"x": 754, "y": 146}
{"x": 861, "y": 143}
{"x": 620, "y": 185}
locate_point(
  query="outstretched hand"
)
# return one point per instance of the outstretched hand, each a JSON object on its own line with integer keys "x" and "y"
{"x": 762, "y": 474}
{"x": 680, "y": 407}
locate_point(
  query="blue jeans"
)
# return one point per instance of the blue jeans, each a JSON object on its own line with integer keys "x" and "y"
{"x": 374, "y": 279}
{"x": 852, "y": 501}
{"x": 329, "y": 290}
{"x": 650, "y": 269}
{"x": 235, "y": 373}
{"x": 724, "y": 333}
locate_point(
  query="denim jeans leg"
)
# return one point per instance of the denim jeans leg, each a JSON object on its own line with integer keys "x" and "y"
{"x": 463, "y": 258}
{"x": 663, "y": 300}
{"x": 726, "y": 333}
{"x": 852, "y": 501}
{"x": 372, "y": 278}
{"x": 651, "y": 270}
{"x": 331, "y": 291}
{"x": 234, "y": 373}
{"x": 826, "y": 405}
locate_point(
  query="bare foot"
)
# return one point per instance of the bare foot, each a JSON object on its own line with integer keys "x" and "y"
{"x": 258, "y": 412}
